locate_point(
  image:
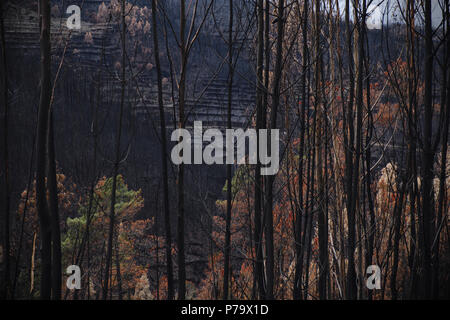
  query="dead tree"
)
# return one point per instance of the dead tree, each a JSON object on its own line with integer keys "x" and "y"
{"x": 444, "y": 114}
{"x": 116, "y": 163}
{"x": 226, "y": 271}
{"x": 4, "y": 232}
{"x": 170, "y": 288}
{"x": 41, "y": 144}
{"x": 258, "y": 180}
{"x": 350, "y": 171}
{"x": 273, "y": 125}
{"x": 427, "y": 157}
{"x": 186, "y": 41}
{"x": 320, "y": 142}
{"x": 300, "y": 217}
{"x": 52, "y": 184}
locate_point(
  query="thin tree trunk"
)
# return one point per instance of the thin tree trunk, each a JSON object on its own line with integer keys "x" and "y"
{"x": 258, "y": 180}
{"x": 445, "y": 110}
{"x": 371, "y": 225}
{"x": 92, "y": 187}
{"x": 4, "y": 241}
{"x": 267, "y": 55}
{"x": 412, "y": 107}
{"x": 54, "y": 212}
{"x": 270, "y": 179}
{"x": 359, "y": 63}
{"x": 109, "y": 252}
{"x": 308, "y": 231}
{"x": 398, "y": 208}
{"x": 22, "y": 223}
{"x": 427, "y": 156}
{"x": 118, "y": 274}
{"x": 342, "y": 248}
{"x": 42, "y": 129}
{"x": 302, "y": 207}
{"x": 321, "y": 122}
{"x": 229, "y": 166}
{"x": 180, "y": 182}
{"x": 351, "y": 172}
{"x": 168, "y": 233}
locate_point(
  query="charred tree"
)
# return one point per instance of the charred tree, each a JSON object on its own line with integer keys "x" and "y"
{"x": 258, "y": 180}
{"x": 4, "y": 232}
{"x": 226, "y": 271}
{"x": 41, "y": 144}
{"x": 427, "y": 157}
{"x": 165, "y": 177}
{"x": 112, "y": 213}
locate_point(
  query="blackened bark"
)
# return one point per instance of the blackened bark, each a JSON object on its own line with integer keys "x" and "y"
{"x": 118, "y": 274}
{"x": 359, "y": 63}
{"x": 165, "y": 177}
{"x": 229, "y": 166}
{"x": 112, "y": 213}
{"x": 258, "y": 181}
{"x": 4, "y": 241}
{"x": 270, "y": 179}
{"x": 371, "y": 224}
{"x": 267, "y": 56}
{"x": 310, "y": 212}
{"x": 427, "y": 156}
{"x": 52, "y": 184}
{"x": 445, "y": 110}
{"x": 398, "y": 208}
{"x": 349, "y": 165}
{"x": 180, "y": 181}
{"x": 42, "y": 129}
{"x": 321, "y": 118}
{"x": 412, "y": 142}
{"x": 302, "y": 207}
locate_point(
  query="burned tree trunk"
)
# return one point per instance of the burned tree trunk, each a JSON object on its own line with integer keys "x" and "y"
{"x": 109, "y": 252}
{"x": 427, "y": 157}
{"x": 226, "y": 270}
{"x": 350, "y": 179}
{"x": 54, "y": 212}
{"x": 271, "y": 178}
{"x": 165, "y": 177}
{"x": 321, "y": 123}
{"x": 42, "y": 129}
{"x": 180, "y": 178}
{"x": 300, "y": 217}
{"x": 4, "y": 230}
{"x": 258, "y": 181}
